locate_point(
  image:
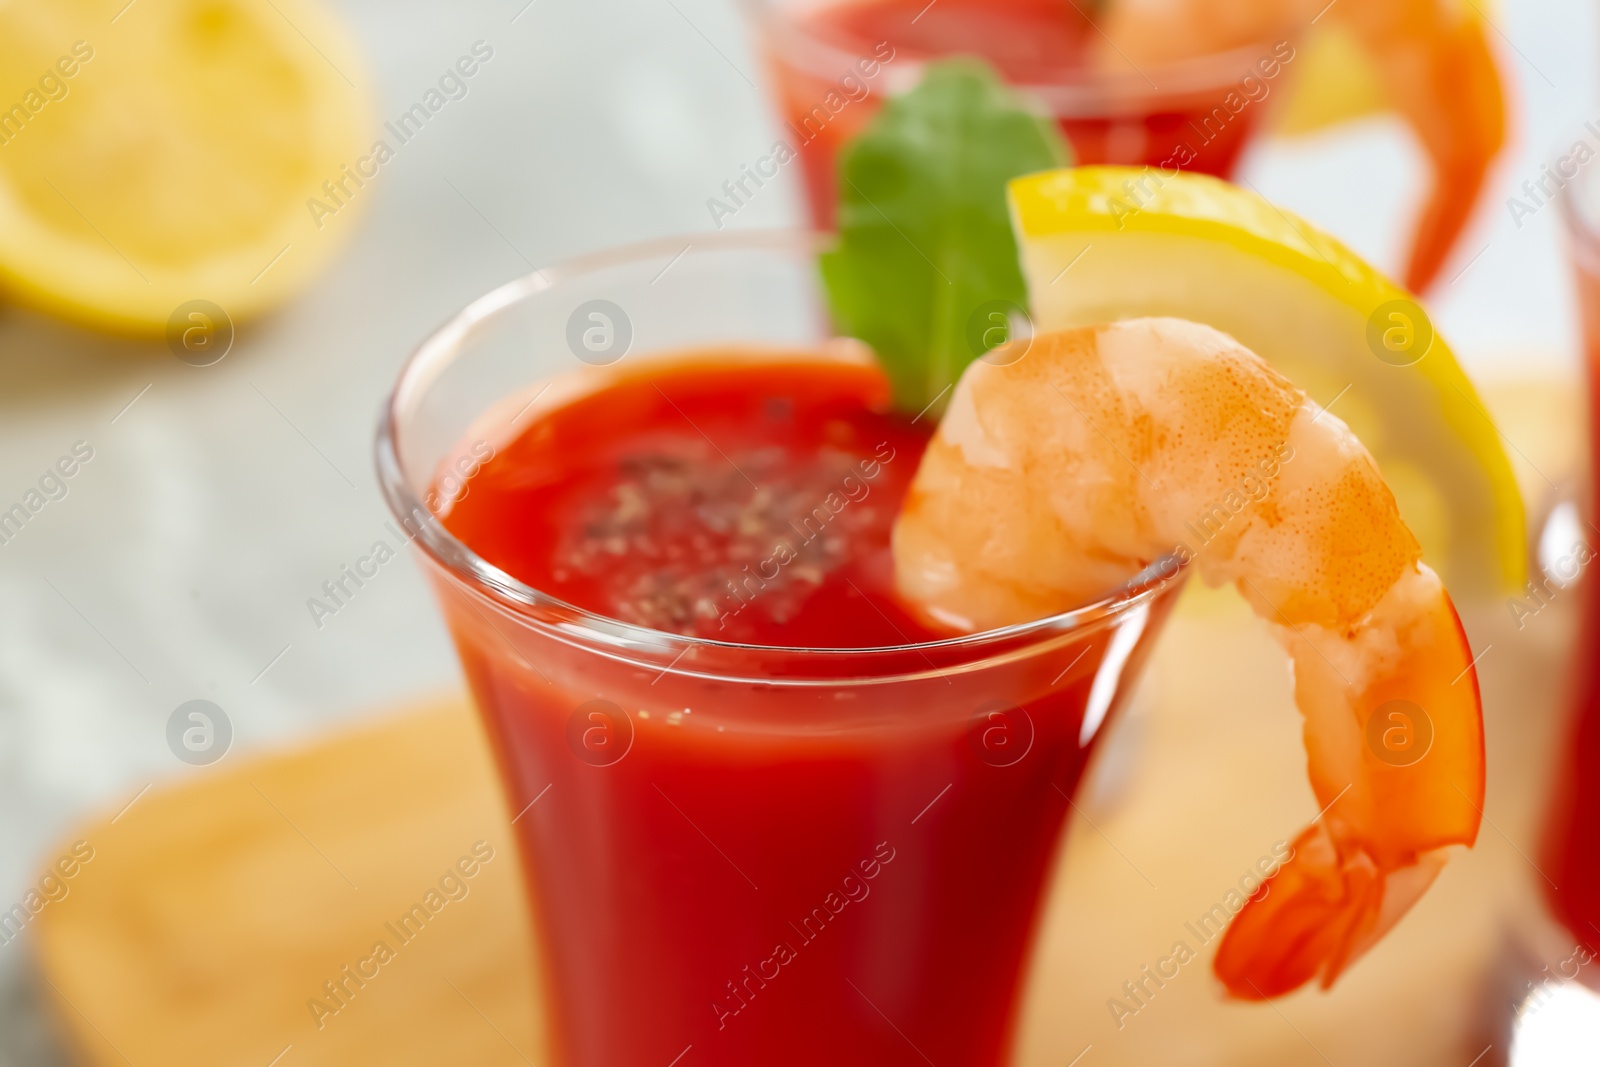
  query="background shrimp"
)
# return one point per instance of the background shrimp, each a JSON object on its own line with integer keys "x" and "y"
{"x": 1431, "y": 58}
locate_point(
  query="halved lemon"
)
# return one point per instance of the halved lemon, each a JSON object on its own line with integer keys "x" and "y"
{"x": 1106, "y": 243}
{"x": 156, "y": 152}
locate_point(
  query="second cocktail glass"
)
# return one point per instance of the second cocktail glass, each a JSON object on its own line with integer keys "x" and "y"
{"x": 833, "y": 62}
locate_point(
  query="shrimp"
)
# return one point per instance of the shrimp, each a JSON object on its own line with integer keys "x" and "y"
{"x": 1432, "y": 58}
{"x": 1440, "y": 75}
{"x": 1099, "y": 451}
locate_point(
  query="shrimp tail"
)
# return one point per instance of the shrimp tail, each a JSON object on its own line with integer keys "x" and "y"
{"x": 1439, "y": 72}
{"x": 1313, "y": 918}
{"x": 1396, "y": 761}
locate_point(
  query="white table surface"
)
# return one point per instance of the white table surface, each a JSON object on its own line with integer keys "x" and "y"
{"x": 179, "y": 564}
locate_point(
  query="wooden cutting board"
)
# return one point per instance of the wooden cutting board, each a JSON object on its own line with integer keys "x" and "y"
{"x": 212, "y": 913}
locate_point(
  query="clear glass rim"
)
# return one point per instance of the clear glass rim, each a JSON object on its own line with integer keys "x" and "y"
{"x": 1078, "y": 91}
{"x": 433, "y": 356}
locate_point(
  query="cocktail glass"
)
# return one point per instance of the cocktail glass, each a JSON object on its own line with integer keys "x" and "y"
{"x": 1573, "y": 842}
{"x": 1195, "y": 114}
{"x": 745, "y": 854}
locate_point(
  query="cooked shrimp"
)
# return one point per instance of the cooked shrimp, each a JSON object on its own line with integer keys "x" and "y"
{"x": 1431, "y": 56}
{"x": 1102, "y": 450}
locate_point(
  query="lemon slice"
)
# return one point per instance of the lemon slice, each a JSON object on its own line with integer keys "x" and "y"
{"x": 158, "y": 152}
{"x": 1105, "y": 243}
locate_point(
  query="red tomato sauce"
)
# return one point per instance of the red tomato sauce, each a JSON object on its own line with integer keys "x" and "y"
{"x": 737, "y": 503}
{"x": 727, "y": 871}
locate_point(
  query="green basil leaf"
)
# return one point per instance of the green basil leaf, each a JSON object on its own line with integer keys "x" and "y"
{"x": 926, "y": 263}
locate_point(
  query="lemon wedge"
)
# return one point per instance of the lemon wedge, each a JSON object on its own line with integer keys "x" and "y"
{"x": 158, "y": 152}
{"x": 1105, "y": 243}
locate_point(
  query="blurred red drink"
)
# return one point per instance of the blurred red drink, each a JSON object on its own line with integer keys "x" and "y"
{"x": 826, "y": 58}
{"x": 1572, "y": 849}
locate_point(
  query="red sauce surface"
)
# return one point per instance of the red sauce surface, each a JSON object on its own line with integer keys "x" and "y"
{"x": 738, "y": 503}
